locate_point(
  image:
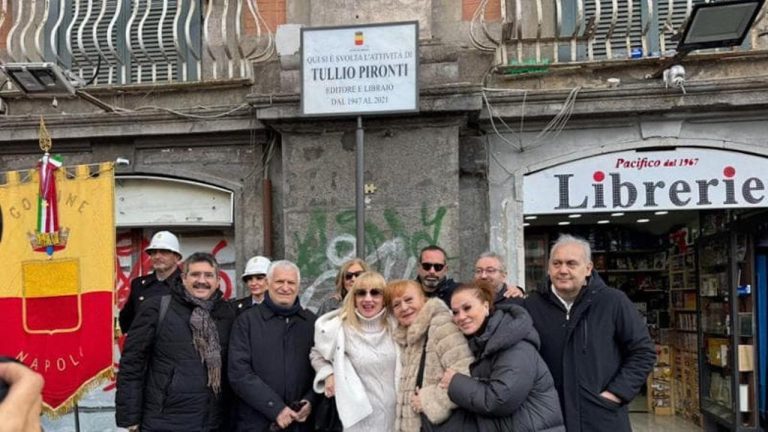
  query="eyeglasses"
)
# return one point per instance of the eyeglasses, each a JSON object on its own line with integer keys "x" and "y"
{"x": 206, "y": 275}
{"x": 436, "y": 266}
{"x": 488, "y": 271}
{"x": 374, "y": 292}
{"x": 352, "y": 275}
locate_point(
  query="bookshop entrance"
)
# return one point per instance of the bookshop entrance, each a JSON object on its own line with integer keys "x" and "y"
{"x": 690, "y": 248}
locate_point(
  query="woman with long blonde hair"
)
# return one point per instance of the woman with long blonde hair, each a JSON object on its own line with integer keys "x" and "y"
{"x": 348, "y": 272}
{"x": 356, "y": 358}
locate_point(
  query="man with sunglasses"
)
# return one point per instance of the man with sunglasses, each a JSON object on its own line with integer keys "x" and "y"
{"x": 432, "y": 274}
{"x": 255, "y": 279}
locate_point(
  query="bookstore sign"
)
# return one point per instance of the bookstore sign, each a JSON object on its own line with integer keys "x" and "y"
{"x": 680, "y": 179}
{"x": 353, "y": 70}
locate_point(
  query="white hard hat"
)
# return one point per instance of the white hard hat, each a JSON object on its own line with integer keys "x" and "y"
{"x": 256, "y": 266}
{"x": 164, "y": 240}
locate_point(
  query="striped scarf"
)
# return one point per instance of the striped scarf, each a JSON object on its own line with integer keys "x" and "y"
{"x": 205, "y": 337}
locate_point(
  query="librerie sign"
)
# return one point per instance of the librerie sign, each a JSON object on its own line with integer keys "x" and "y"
{"x": 680, "y": 179}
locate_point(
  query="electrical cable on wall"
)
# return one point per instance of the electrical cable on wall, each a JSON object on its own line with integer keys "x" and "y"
{"x": 550, "y": 131}
{"x": 491, "y": 115}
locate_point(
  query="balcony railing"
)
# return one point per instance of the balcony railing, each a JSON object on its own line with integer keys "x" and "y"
{"x": 538, "y": 34}
{"x": 137, "y": 41}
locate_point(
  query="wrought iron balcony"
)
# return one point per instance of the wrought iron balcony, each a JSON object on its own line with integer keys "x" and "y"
{"x": 116, "y": 42}
{"x": 542, "y": 34}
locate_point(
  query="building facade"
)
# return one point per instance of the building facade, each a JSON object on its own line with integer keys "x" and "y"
{"x": 203, "y": 99}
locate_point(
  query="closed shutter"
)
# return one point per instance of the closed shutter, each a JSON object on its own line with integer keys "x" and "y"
{"x": 619, "y": 37}
{"x": 151, "y": 64}
{"x": 154, "y": 60}
{"x": 679, "y": 13}
{"x": 85, "y": 61}
{"x": 659, "y": 40}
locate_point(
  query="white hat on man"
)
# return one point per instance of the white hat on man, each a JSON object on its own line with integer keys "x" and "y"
{"x": 164, "y": 240}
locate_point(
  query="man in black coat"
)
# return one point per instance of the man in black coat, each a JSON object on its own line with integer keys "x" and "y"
{"x": 165, "y": 255}
{"x": 171, "y": 374}
{"x": 593, "y": 340}
{"x": 269, "y": 366}
{"x": 432, "y": 274}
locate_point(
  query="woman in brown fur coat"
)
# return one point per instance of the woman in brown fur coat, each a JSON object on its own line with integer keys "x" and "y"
{"x": 421, "y": 319}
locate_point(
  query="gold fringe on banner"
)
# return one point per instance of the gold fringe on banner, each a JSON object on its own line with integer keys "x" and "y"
{"x": 67, "y": 406}
{"x": 13, "y": 178}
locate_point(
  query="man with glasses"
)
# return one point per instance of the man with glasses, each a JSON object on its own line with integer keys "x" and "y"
{"x": 164, "y": 253}
{"x": 269, "y": 365}
{"x": 489, "y": 268}
{"x": 255, "y": 279}
{"x": 432, "y": 274}
{"x": 171, "y": 376}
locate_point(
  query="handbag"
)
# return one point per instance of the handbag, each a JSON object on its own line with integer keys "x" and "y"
{"x": 459, "y": 420}
{"x": 326, "y": 416}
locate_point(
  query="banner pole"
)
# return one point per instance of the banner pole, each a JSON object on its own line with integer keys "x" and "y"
{"x": 77, "y": 417}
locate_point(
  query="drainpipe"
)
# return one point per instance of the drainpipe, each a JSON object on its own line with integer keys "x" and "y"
{"x": 266, "y": 215}
{"x": 266, "y": 200}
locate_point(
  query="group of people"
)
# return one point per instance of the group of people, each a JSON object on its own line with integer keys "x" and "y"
{"x": 401, "y": 355}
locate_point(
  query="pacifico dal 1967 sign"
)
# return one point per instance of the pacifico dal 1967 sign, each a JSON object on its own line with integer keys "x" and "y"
{"x": 360, "y": 69}
{"x": 680, "y": 179}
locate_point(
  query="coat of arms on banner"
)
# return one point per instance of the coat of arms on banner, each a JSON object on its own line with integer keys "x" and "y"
{"x": 56, "y": 301}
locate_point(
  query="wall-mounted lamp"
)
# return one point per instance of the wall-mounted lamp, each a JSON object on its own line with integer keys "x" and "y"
{"x": 714, "y": 25}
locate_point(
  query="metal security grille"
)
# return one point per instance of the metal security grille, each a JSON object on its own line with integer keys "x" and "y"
{"x": 592, "y": 30}
{"x": 124, "y": 41}
{"x": 132, "y": 41}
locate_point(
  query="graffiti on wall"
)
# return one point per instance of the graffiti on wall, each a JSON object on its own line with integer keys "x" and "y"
{"x": 391, "y": 246}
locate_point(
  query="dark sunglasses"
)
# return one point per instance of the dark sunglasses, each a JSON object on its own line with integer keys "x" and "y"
{"x": 352, "y": 275}
{"x": 375, "y": 292}
{"x": 437, "y": 267}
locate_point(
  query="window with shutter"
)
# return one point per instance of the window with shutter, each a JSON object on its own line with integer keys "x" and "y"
{"x": 624, "y": 34}
{"x": 627, "y": 34}
{"x": 672, "y": 21}
{"x": 125, "y": 41}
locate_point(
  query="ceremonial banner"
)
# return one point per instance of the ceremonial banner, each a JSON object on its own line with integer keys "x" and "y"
{"x": 57, "y": 243}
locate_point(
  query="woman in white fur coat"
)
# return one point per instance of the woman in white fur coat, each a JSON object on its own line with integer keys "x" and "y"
{"x": 419, "y": 320}
{"x": 356, "y": 358}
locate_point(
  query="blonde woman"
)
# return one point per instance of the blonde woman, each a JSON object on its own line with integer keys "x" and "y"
{"x": 356, "y": 358}
{"x": 425, "y": 328}
{"x": 348, "y": 272}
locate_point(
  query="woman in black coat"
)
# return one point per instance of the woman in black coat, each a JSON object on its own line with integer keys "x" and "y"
{"x": 510, "y": 387}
